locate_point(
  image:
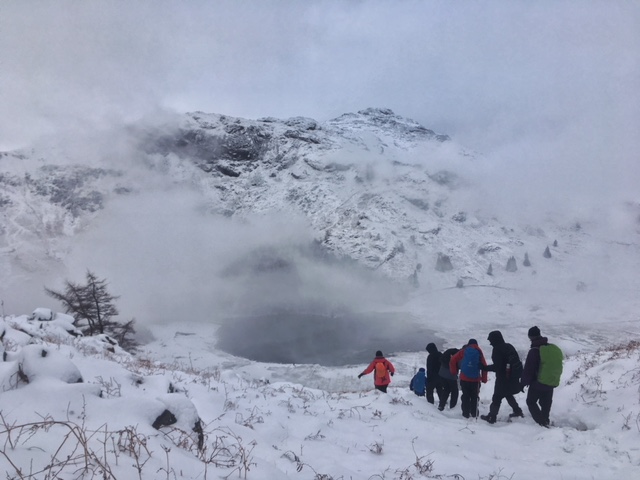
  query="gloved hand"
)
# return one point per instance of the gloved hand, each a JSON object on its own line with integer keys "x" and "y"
{"x": 391, "y": 373}
{"x": 360, "y": 376}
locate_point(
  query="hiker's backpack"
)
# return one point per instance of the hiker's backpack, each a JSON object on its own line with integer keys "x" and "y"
{"x": 470, "y": 365}
{"x": 550, "y": 370}
{"x": 381, "y": 370}
{"x": 514, "y": 365}
{"x": 446, "y": 357}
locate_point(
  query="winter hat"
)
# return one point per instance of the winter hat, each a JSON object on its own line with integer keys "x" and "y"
{"x": 495, "y": 337}
{"x": 472, "y": 341}
{"x": 534, "y": 332}
{"x": 379, "y": 353}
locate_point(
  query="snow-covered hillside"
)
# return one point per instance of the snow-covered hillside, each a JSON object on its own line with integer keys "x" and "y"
{"x": 232, "y": 418}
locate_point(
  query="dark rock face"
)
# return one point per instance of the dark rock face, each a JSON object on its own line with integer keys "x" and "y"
{"x": 68, "y": 187}
{"x": 237, "y": 143}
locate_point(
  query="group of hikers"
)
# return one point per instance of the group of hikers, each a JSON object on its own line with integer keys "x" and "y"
{"x": 468, "y": 368}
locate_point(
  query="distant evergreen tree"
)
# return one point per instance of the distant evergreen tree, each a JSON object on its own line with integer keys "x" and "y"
{"x": 490, "y": 270}
{"x": 555, "y": 243}
{"x": 443, "y": 264}
{"x": 547, "y": 252}
{"x": 459, "y": 283}
{"x": 512, "y": 266}
{"x": 526, "y": 262}
{"x": 93, "y": 309}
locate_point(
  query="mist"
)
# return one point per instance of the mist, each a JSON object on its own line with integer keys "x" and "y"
{"x": 546, "y": 92}
{"x": 542, "y": 95}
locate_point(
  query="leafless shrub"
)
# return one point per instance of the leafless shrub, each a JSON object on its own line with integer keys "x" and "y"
{"x": 226, "y": 450}
{"x": 252, "y": 419}
{"x": 316, "y": 436}
{"x": 72, "y": 454}
{"x": 134, "y": 445}
{"x": 288, "y": 404}
{"x": 110, "y": 388}
{"x": 498, "y": 476}
{"x": 168, "y": 470}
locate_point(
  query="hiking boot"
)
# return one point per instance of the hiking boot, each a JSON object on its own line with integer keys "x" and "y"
{"x": 516, "y": 414}
{"x": 441, "y": 407}
{"x": 488, "y": 418}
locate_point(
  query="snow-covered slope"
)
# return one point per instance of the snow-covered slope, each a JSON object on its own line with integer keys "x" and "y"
{"x": 256, "y": 421}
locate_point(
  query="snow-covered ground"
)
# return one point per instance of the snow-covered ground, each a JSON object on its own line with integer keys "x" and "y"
{"x": 270, "y": 421}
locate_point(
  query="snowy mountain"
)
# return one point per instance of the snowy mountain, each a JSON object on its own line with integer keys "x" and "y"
{"x": 265, "y": 261}
{"x": 369, "y": 212}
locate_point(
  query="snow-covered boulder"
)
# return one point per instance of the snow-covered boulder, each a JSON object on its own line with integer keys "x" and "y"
{"x": 36, "y": 361}
{"x": 42, "y": 314}
{"x": 103, "y": 343}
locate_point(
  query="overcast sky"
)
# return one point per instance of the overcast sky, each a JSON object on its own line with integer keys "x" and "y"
{"x": 550, "y": 84}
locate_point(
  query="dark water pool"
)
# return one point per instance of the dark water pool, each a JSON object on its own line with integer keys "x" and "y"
{"x": 326, "y": 340}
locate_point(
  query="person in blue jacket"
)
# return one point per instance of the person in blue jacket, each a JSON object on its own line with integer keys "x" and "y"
{"x": 418, "y": 384}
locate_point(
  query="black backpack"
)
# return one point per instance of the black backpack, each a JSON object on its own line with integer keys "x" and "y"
{"x": 446, "y": 357}
{"x": 514, "y": 365}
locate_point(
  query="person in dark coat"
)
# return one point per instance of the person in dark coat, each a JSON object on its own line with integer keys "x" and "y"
{"x": 507, "y": 367}
{"x": 469, "y": 381}
{"x": 448, "y": 381}
{"x": 418, "y": 383}
{"x": 539, "y": 395}
{"x": 380, "y": 381}
{"x": 433, "y": 372}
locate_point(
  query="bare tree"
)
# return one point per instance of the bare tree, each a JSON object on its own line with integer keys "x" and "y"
{"x": 92, "y": 303}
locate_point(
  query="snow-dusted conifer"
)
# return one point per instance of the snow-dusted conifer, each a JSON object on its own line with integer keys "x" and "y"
{"x": 547, "y": 252}
{"x": 443, "y": 264}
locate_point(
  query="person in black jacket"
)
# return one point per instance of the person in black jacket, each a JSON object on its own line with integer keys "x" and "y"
{"x": 433, "y": 372}
{"x": 508, "y": 369}
{"x": 448, "y": 381}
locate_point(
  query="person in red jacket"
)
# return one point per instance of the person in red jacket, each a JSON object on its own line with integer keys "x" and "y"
{"x": 468, "y": 361}
{"x": 382, "y": 370}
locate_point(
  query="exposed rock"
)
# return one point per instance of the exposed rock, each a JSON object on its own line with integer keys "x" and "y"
{"x": 459, "y": 217}
{"x": 488, "y": 248}
{"x": 165, "y": 419}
